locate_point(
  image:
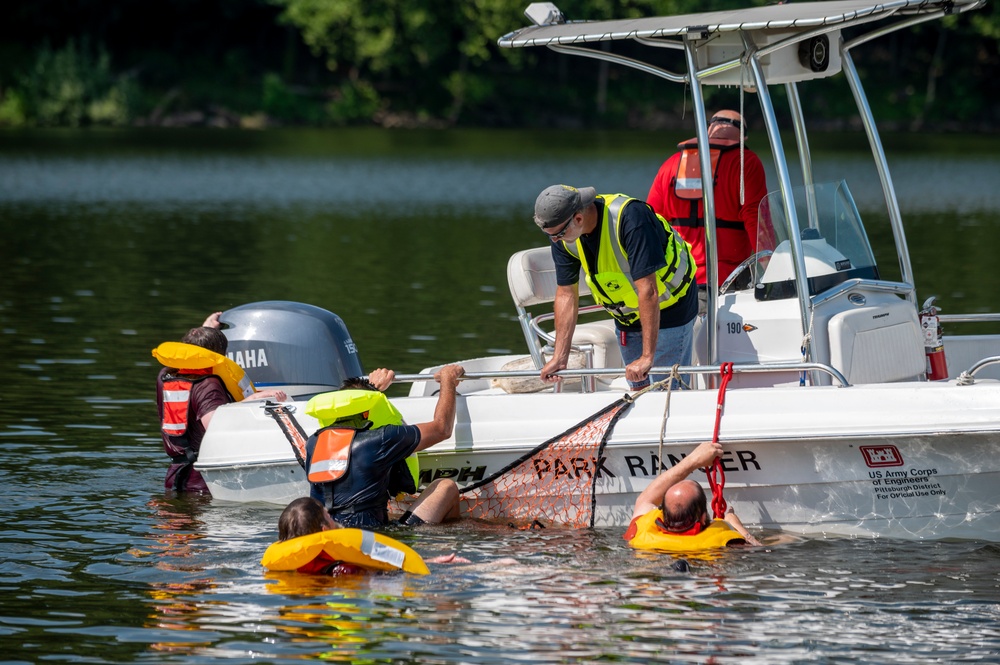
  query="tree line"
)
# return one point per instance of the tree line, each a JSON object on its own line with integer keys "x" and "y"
{"x": 420, "y": 63}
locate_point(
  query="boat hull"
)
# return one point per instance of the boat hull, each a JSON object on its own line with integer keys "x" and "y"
{"x": 834, "y": 463}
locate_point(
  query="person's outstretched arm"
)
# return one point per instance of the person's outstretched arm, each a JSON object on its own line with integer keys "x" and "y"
{"x": 566, "y": 308}
{"x": 441, "y": 427}
{"x": 699, "y": 458}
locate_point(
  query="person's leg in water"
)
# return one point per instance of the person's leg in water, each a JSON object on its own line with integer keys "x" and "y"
{"x": 436, "y": 504}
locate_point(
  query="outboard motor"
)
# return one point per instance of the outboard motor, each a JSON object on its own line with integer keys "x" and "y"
{"x": 281, "y": 343}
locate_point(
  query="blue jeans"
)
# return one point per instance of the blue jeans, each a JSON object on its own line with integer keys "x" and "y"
{"x": 673, "y": 347}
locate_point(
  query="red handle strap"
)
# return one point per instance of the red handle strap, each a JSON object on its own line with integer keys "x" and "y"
{"x": 716, "y": 474}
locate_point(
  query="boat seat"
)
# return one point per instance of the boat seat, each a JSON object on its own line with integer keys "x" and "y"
{"x": 531, "y": 276}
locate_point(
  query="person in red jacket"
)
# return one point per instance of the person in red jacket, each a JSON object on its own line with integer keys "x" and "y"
{"x": 740, "y": 185}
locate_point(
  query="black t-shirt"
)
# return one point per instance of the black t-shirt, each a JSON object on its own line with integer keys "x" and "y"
{"x": 645, "y": 242}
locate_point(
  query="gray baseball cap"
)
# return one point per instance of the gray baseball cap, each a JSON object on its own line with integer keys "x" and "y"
{"x": 557, "y": 203}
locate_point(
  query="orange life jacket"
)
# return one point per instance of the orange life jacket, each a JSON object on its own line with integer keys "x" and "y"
{"x": 329, "y": 458}
{"x": 687, "y": 181}
{"x": 177, "y": 400}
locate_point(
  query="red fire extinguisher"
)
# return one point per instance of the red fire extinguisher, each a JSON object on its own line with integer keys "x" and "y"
{"x": 937, "y": 367}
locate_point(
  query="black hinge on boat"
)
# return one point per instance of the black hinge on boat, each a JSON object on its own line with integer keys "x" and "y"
{"x": 697, "y": 31}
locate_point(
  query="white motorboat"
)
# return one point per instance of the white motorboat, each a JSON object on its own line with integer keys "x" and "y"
{"x": 839, "y": 418}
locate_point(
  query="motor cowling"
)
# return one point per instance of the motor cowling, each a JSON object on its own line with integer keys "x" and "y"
{"x": 930, "y": 323}
{"x": 280, "y": 343}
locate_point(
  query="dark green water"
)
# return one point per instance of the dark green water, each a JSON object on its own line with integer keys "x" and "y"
{"x": 112, "y": 243}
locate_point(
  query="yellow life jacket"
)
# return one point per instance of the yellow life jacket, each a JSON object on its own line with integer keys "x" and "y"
{"x": 610, "y": 280}
{"x": 183, "y": 356}
{"x": 329, "y": 407}
{"x": 649, "y": 537}
{"x": 356, "y": 546}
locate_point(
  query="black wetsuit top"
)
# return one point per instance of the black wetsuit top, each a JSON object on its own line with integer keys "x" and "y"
{"x": 360, "y": 498}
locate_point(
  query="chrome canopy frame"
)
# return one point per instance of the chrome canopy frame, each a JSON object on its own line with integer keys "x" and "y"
{"x": 804, "y": 21}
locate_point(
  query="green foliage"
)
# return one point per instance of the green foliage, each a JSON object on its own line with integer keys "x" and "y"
{"x": 12, "y": 109}
{"x": 290, "y": 105}
{"x": 72, "y": 87}
{"x": 352, "y": 102}
{"x": 431, "y": 62}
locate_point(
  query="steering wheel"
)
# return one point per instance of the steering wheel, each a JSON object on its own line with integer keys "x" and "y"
{"x": 727, "y": 285}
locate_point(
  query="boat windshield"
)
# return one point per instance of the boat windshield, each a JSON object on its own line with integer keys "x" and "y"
{"x": 835, "y": 247}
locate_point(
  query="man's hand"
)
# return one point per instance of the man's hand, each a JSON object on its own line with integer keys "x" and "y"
{"x": 382, "y": 378}
{"x": 212, "y": 321}
{"x": 449, "y": 374}
{"x": 704, "y": 454}
{"x": 547, "y": 373}
{"x": 441, "y": 427}
{"x": 638, "y": 370}
{"x": 449, "y": 558}
{"x": 276, "y": 394}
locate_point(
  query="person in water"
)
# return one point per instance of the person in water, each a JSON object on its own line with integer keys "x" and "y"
{"x": 205, "y": 393}
{"x": 674, "y": 505}
{"x": 359, "y": 496}
{"x": 306, "y": 516}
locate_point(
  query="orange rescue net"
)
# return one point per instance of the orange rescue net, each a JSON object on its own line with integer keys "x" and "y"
{"x": 555, "y": 483}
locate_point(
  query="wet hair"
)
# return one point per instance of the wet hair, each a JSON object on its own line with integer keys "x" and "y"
{"x": 682, "y": 520}
{"x": 301, "y": 518}
{"x": 358, "y": 420}
{"x": 212, "y": 339}
{"x": 358, "y": 383}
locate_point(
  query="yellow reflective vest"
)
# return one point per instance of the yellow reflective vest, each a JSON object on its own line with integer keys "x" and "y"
{"x": 610, "y": 280}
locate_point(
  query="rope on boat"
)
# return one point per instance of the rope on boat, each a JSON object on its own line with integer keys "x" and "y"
{"x": 674, "y": 375}
{"x": 716, "y": 474}
{"x": 806, "y": 343}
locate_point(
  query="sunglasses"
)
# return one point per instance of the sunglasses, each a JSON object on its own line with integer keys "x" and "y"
{"x": 726, "y": 121}
{"x": 565, "y": 229}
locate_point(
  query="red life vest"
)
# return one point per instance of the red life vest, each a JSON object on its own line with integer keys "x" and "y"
{"x": 177, "y": 400}
{"x": 687, "y": 181}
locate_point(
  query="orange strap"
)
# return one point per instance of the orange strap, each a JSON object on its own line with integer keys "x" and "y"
{"x": 716, "y": 474}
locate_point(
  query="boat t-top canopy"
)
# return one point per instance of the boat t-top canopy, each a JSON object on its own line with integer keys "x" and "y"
{"x": 554, "y": 29}
{"x": 754, "y": 48}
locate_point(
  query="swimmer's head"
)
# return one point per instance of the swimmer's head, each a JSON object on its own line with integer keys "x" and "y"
{"x": 212, "y": 339}
{"x": 303, "y": 517}
{"x": 685, "y": 508}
